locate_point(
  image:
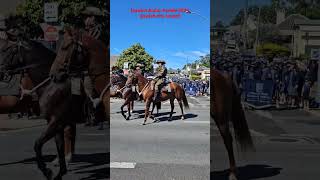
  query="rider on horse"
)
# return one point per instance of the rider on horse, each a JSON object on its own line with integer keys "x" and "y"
{"x": 93, "y": 29}
{"x": 159, "y": 79}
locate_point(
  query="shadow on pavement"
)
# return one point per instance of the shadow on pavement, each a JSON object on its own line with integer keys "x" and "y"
{"x": 248, "y": 172}
{"x": 87, "y": 161}
{"x": 175, "y": 118}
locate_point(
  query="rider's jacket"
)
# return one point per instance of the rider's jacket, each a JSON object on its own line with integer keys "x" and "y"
{"x": 161, "y": 72}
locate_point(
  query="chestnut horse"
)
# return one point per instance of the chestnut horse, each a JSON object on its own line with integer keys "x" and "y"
{"x": 226, "y": 107}
{"x": 78, "y": 52}
{"x": 147, "y": 92}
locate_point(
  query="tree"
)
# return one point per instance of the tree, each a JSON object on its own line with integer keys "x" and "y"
{"x": 272, "y": 50}
{"x": 133, "y": 55}
{"x": 69, "y": 13}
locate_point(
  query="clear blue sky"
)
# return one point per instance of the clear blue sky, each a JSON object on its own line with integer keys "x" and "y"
{"x": 175, "y": 40}
{"x": 226, "y": 10}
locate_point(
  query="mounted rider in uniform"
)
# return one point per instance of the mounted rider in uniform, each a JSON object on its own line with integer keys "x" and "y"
{"x": 159, "y": 79}
{"x": 93, "y": 29}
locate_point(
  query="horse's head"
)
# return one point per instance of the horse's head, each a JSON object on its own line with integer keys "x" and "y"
{"x": 75, "y": 58}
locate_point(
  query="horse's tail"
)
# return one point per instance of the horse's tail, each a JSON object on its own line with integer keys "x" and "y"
{"x": 241, "y": 129}
{"x": 184, "y": 99}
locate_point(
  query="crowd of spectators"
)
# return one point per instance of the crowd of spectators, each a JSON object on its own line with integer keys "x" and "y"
{"x": 293, "y": 79}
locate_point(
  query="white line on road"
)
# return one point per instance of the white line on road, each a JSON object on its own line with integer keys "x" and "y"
{"x": 197, "y": 122}
{"x": 123, "y": 165}
{"x": 94, "y": 134}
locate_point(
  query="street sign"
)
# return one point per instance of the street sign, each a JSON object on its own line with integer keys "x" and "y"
{"x": 51, "y": 12}
{"x": 51, "y": 33}
{"x": 259, "y": 92}
{"x": 126, "y": 65}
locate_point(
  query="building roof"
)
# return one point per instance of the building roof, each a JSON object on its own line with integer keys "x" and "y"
{"x": 113, "y": 60}
{"x": 307, "y": 22}
{"x": 291, "y": 20}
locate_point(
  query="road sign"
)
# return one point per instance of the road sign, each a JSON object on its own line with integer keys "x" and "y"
{"x": 51, "y": 12}
{"x": 51, "y": 33}
{"x": 126, "y": 65}
{"x": 259, "y": 92}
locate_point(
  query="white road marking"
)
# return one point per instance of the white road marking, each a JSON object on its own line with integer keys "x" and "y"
{"x": 123, "y": 165}
{"x": 197, "y": 122}
{"x": 94, "y": 134}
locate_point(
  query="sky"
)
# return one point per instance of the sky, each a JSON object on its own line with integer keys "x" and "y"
{"x": 226, "y": 10}
{"x": 177, "y": 41}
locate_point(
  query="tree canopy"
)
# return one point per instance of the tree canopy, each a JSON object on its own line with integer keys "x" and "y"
{"x": 134, "y": 55}
{"x": 69, "y": 13}
{"x": 271, "y": 50}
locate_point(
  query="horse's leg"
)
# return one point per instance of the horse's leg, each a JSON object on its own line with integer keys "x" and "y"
{"x": 129, "y": 108}
{"x": 49, "y": 133}
{"x": 152, "y": 115}
{"x": 132, "y": 102}
{"x": 122, "y": 111}
{"x": 172, "y": 108}
{"x": 227, "y": 139}
{"x": 146, "y": 111}
{"x": 59, "y": 138}
{"x": 181, "y": 107}
{"x": 123, "y": 105}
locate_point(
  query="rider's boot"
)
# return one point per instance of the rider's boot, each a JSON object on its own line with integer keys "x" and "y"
{"x": 156, "y": 97}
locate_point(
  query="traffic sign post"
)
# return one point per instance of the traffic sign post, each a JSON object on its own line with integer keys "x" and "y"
{"x": 51, "y": 12}
{"x": 51, "y": 33}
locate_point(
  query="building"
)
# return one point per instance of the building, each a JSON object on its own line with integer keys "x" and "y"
{"x": 302, "y": 33}
{"x": 113, "y": 60}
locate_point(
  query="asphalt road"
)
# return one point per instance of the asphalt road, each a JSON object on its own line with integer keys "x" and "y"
{"x": 167, "y": 150}
{"x": 17, "y": 160}
{"x": 287, "y": 147}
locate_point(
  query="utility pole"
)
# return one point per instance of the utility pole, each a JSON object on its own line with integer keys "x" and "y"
{"x": 258, "y": 29}
{"x": 245, "y": 25}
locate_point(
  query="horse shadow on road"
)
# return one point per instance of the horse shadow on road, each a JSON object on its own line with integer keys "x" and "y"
{"x": 95, "y": 165}
{"x": 248, "y": 172}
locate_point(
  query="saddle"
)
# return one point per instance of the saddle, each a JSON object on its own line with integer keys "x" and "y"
{"x": 165, "y": 87}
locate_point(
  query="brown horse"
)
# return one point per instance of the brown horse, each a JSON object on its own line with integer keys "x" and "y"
{"x": 177, "y": 92}
{"x": 226, "y": 107}
{"x": 78, "y": 52}
{"x": 11, "y": 104}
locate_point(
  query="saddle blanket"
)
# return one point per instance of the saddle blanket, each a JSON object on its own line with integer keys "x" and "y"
{"x": 10, "y": 87}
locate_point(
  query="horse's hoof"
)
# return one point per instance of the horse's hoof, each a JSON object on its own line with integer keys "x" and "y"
{"x": 232, "y": 176}
{"x": 170, "y": 119}
{"x": 128, "y": 118}
{"x": 48, "y": 174}
{"x": 182, "y": 117}
{"x": 144, "y": 123}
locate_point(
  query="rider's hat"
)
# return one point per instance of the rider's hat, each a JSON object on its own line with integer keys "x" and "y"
{"x": 92, "y": 11}
{"x": 160, "y": 62}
